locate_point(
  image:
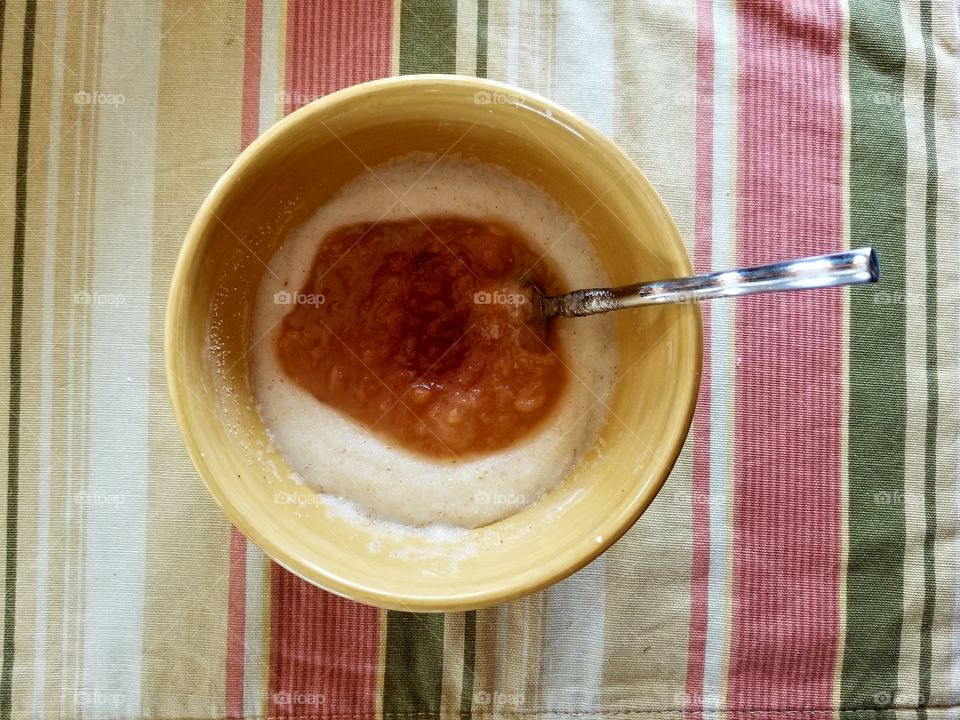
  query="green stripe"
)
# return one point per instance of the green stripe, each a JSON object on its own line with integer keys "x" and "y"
{"x": 482, "y": 22}
{"x": 413, "y": 668}
{"x": 933, "y": 400}
{"x": 469, "y": 658}
{"x": 16, "y": 337}
{"x": 428, "y": 36}
{"x": 874, "y": 601}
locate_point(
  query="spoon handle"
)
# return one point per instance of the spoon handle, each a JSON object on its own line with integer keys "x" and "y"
{"x": 850, "y": 267}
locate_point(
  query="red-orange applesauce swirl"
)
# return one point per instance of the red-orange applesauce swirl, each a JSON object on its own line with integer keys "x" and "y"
{"x": 422, "y": 332}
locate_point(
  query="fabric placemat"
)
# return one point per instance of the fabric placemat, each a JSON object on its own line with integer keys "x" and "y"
{"x": 801, "y": 561}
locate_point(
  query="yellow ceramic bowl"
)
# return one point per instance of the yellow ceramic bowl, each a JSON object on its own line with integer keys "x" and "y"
{"x": 275, "y": 184}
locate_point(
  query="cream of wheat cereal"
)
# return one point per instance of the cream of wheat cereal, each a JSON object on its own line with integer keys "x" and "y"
{"x": 458, "y": 409}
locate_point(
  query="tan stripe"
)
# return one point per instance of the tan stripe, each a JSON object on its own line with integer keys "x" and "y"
{"x": 395, "y": 39}
{"x": 916, "y": 384}
{"x": 63, "y": 556}
{"x": 526, "y": 35}
{"x": 646, "y": 637}
{"x": 452, "y": 665}
{"x": 70, "y": 368}
{"x": 509, "y": 638}
{"x": 74, "y": 599}
{"x": 509, "y": 657}
{"x": 54, "y": 492}
{"x": 948, "y": 333}
{"x": 31, "y": 356}
{"x": 844, "y": 367}
{"x": 198, "y": 135}
{"x": 9, "y": 114}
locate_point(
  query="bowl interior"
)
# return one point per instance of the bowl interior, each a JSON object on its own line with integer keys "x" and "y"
{"x": 275, "y": 185}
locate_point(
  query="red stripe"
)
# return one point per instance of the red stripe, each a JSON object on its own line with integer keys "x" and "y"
{"x": 332, "y": 45}
{"x": 324, "y": 650}
{"x": 788, "y": 371}
{"x": 237, "y": 583}
{"x": 236, "y": 610}
{"x": 703, "y": 233}
{"x": 325, "y": 653}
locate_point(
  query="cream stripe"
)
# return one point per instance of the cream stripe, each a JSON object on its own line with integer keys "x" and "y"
{"x": 467, "y": 37}
{"x": 501, "y": 41}
{"x": 271, "y": 64}
{"x": 255, "y": 636}
{"x": 582, "y": 77}
{"x": 485, "y": 651}
{"x": 46, "y": 376}
{"x": 916, "y": 381}
{"x": 722, "y": 361}
{"x": 257, "y": 569}
{"x": 119, "y": 372}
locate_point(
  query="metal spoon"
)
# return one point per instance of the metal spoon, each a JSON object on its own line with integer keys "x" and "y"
{"x": 850, "y": 267}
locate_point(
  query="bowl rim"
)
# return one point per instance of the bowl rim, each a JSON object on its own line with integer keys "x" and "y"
{"x": 311, "y": 572}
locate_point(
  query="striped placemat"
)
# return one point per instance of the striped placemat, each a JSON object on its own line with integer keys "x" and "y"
{"x": 802, "y": 561}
